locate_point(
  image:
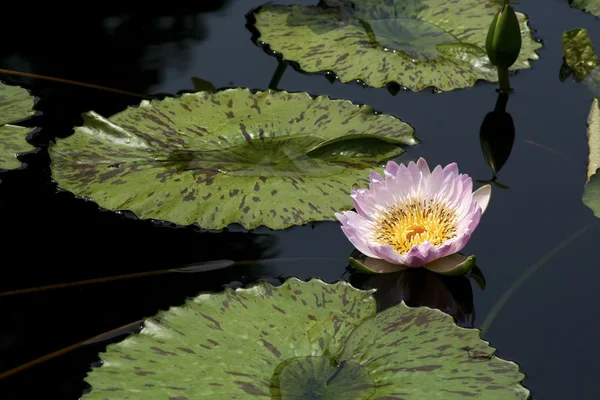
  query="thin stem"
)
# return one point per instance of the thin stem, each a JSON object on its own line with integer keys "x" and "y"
{"x": 503, "y": 80}
{"x": 99, "y": 338}
{"x": 527, "y": 273}
{"x": 281, "y": 67}
{"x": 88, "y": 85}
{"x": 194, "y": 268}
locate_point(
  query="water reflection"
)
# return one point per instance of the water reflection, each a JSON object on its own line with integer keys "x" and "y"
{"x": 421, "y": 287}
{"x": 123, "y": 47}
{"x": 497, "y": 136}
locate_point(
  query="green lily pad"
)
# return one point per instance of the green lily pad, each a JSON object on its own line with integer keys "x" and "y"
{"x": 591, "y": 6}
{"x": 302, "y": 340}
{"x": 580, "y": 55}
{"x": 16, "y": 104}
{"x": 235, "y": 156}
{"x": 581, "y": 60}
{"x": 414, "y": 43}
{"x": 591, "y": 192}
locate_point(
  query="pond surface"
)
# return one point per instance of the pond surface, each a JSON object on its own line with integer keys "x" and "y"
{"x": 549, "y": 325}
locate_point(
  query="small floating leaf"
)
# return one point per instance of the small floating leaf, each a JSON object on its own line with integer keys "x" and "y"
{"x": 581, "y": 60}
{"x": 265, "y": 158}
{"x": 16, "y": 104}
{"x": 302, "y": 340}
{"x": 591, "y": 6}
{"x": 579, "y": 53}
{"x": 416, "y": 44}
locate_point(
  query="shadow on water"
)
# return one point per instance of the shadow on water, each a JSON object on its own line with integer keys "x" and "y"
{"x": 421, "y": 287}
{"x": 53, "y": 237}
{"x": 121, "y": 47}
{"x": 497, "y": 136}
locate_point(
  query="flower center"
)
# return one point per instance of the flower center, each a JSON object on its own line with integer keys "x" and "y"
{"x": 412, "y": 222}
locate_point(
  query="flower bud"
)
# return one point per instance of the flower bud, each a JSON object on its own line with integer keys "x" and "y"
{"x": 503, "y": 43}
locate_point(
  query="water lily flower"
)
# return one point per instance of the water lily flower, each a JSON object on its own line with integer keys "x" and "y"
{"x": 414, "y": 217}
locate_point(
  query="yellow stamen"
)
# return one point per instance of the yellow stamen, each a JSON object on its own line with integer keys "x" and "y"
{"x": 412, "y": 222}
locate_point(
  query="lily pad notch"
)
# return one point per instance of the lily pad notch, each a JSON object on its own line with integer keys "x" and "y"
{"x": 16, "y": 105}
{"x": 233, "y": 156}
{"x": 302, "y": 340}
{"x": 414, "y": 45}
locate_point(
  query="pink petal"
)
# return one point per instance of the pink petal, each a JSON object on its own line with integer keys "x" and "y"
{"x": 422, "y": 166}
{"x": 482, "y": 196}
{"x": 388, "y": 254}
{"x": 375, "y": 177}
{"x": 391, "y": 168}
{"x": 358, "y": 242}
{"x": 451, "y": 170}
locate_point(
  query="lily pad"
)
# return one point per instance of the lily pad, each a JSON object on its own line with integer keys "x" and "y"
{"x": 591, "y": 192}
{"x": 591, "y": 6}
{"x": 235, "y": 156}
{"x": 581, "y": 60}
{"x": 16, "y": 104}
{"x": 414, "y": 43}
{"x": 580, "y": 55}
{"x": 302, "y": 340}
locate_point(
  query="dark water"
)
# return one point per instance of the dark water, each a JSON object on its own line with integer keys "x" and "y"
{"x": 549, "y": 326}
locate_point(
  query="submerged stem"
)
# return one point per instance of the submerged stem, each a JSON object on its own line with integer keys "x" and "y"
{"x": 76, "y": 83}
{"x": 485, "y": 326}
{"x": 98, "y": 338}
{"x": 201, "y": 267}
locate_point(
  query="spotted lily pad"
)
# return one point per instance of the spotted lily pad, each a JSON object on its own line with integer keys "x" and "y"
{"x": 591, "y": 192}
{"x": 16, "y": 104}
{"x": 302, "y": 340}
{"x": 235, "y": 156}
{"x": 415, "y": 43}
{"x": 591, "y": 6}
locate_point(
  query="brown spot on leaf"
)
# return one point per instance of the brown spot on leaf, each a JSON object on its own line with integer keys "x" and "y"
{"x": 217, "y": 324}
{"x": 251, "y": 389}
{"x": 186, "y": 350}
{"x": 238, "y": 374}
{"x": 162, "y": 352}
{"x": 271, "y": 348}
{"x": 279, "y": 309}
